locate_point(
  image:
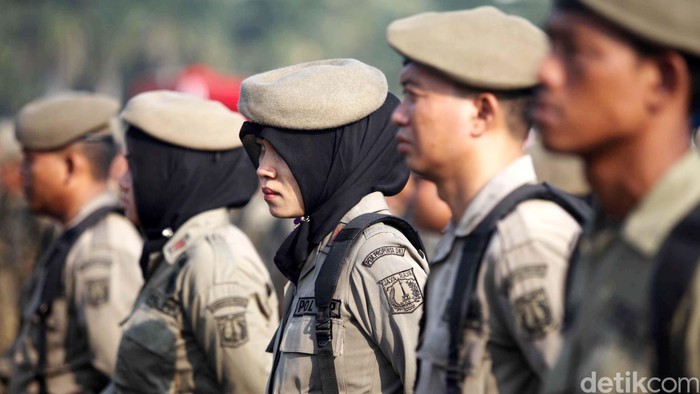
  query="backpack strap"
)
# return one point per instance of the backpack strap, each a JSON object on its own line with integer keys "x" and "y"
{"x": 475, "y": 245}
{"x": 676, "y": 266}
{"x": 327, "y": 281}
{"x": 53, "y": 282}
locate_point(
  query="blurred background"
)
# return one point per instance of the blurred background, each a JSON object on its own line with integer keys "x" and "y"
{"x": 126, "y": 46}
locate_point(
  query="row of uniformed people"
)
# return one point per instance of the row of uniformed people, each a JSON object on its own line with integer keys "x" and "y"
{"x": 329, "y": 142}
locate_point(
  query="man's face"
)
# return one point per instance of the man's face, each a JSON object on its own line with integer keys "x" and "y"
{"x": 433, "y": 121}
{"x": 44, "y": 175}
{"x": 593, "y": 86}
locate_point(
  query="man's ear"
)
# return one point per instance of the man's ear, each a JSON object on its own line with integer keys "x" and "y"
{"x": 670, "y": 79}
{"x": 76, "y": 163}
{"x": 488, "y": 110}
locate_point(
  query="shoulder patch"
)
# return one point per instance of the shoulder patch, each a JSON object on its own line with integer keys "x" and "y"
{"x": 402, "y": 291}
{"x": 381, "y": 252}
{"x": 97, "y": 291}
{"x": 520, "y": 274}
{"x": 96, "y": 262}
{"x": 233, "y": 329}
{"x": 227, "y": 302}
{"x": 534, "y": 313}
{"x": 307, "y": 306}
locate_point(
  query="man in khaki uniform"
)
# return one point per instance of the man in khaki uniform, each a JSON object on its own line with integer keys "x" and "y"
{"x": 321, "y": 136}
{"x": 87, "y": 285}
{"x": 208, "y": 309}
{"x": 618, "y": 89}
{"x": 463, "y": 125}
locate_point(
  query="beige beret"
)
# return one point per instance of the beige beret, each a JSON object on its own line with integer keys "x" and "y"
{"x": 482, "y": 47}
{"x": 669, "y": 23}
{"x": 10, "y": 150}
{"x": 54, "y": 122}
{"x": 313, "y": 96}
{"x": 184, "y": 120}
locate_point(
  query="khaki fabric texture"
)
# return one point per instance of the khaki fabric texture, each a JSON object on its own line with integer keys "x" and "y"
{"x": 204, "y": 317}
{"x": 481, "y": 47}
{"x": 313, "y": 96}
{"x": 511, "y": 336}
{"x": 610, "y": 292}
{"x": 375, "y": 326}
{"x": 184, "y": 120}
{"x": 102, "y": 279}
{"x": 673, "y": 24}
{"x": 54, "y": 122}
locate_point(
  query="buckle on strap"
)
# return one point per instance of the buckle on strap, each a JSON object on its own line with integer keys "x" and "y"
{"x": 323, "y": 327}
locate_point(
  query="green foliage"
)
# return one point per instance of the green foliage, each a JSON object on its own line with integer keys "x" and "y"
{"x": 50, "y": 45}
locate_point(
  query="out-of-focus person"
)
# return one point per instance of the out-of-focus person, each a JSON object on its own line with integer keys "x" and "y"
{"x": 88, "y": 279}
{"x": 618, "y": 89}
{"x": 208, "y": 308}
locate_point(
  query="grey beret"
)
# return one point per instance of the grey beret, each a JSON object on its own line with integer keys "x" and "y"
{"x": 313, "y": 96}
{"x": 669, "y": 23}
{"x": 482, "y": 47}
{"x": 54, "y": 122}
{"x": 184, "y": 120}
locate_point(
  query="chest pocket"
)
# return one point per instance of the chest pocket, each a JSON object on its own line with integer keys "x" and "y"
{"x": 147, "y": 352}
{"x": 300, "y": 337}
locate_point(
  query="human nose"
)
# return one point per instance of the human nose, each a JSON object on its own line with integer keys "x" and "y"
{"x": 400, "y": 116}
{"x": 550, "y": 73}
{"x": 265, "y": 168}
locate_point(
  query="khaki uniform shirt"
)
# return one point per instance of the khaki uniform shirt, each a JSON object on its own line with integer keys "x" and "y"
{"x": 511, "y": 335}
{"x": 610, "y": 294}
{"x": 101, "y": 280}
{"x": 376, "y": 310}
{"x": 204, "y": 317}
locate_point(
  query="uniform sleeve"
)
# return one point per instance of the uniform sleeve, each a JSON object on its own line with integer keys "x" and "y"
{"x": 386, "y": 287}
{"x": 107, "y": 282}
{"x": 685, "y": 335}
{"x": 232, "y": 310}
{"x": 528, "y": 296}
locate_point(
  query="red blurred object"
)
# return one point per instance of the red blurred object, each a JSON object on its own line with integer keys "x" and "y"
{"x": 199, "y": 80}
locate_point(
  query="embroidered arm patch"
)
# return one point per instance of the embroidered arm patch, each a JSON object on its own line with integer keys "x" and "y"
{"x": 233, "y": 329}
{"x": 97, "y": 291}
{"x": 402, "y": 292}
{"x": 534, "y": 313}
{"x": 381, "y": 252}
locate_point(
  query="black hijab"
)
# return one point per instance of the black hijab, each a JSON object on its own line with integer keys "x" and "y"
{"x": 172, "y": 184}
{"x": 335, "y": 168}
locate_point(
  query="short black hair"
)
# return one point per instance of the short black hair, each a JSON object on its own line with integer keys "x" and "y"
{"x": 100, "y": 153}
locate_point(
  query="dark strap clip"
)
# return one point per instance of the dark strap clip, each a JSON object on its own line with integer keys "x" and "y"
{"x": 323, "y": 327}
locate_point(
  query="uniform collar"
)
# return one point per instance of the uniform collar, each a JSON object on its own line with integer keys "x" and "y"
{"x": 516, "y": 174}
{"x": 373, "y": 202}
{"x": 193, "y": 229}
{"x": 678, "y": 192}
{"x": 102, "y": 200}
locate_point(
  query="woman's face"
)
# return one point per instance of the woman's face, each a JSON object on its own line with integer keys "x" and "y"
{"x": 126, "y": 192}
{"x": 280, "y": 189}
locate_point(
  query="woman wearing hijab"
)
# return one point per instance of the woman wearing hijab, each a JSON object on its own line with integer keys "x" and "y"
{"x": 321, "y": 137}
{"x": 207, "y": 309}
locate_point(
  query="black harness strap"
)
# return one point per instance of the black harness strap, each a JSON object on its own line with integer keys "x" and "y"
{"x": 475, "y": 245}
{"x": 53, "y": 282}
{"x": 327, "y": 282}
{"x": 676, "y": 267}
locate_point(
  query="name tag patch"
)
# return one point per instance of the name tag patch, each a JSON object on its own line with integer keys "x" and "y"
{"x": 306, "y": 306}
{"x": 381, "y": 252}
